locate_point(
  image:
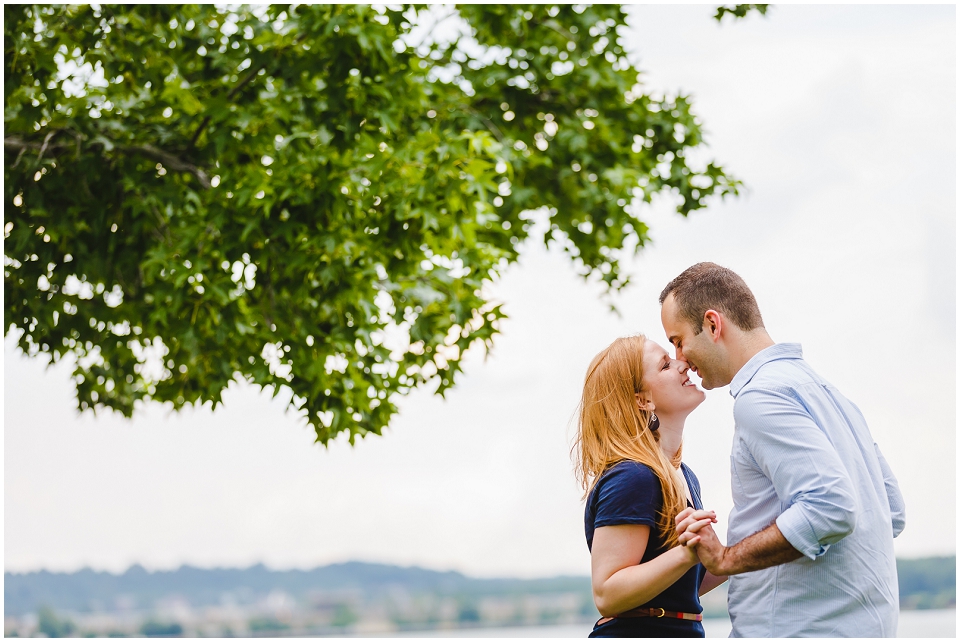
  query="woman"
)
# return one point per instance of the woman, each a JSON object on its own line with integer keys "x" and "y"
{"x": 635, "y": 402}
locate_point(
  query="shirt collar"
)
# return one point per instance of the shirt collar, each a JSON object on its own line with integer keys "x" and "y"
{"x": 773, "y": 353}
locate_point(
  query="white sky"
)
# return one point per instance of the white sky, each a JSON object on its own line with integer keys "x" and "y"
{"x": 841, "y": 120}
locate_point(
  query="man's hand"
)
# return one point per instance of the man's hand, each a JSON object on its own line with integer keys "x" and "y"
{"x": 711, "y": 552}
{"x": 694, "y": 530}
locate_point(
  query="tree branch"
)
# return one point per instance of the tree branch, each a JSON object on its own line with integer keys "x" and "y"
{"x": 243, "y": 83}
{"x": 486, "y": 121}
{"x": 19, "y": 156}
{"x": 166, "y": 159}
{"x": 556, "y": 26}
{"x": 233, "y": 92}
{"x": 46, "y": 141}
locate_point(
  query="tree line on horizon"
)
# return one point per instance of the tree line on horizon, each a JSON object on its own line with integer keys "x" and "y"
{"x": 925, "y": 583}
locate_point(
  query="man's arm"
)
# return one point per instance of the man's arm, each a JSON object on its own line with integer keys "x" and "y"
{"x": 894, "y": 496}
{"x": 761, "y": 550}
{"x": 795, "y": 454}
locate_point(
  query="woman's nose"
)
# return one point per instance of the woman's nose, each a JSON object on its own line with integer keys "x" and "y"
{"x": 682, "y": 366}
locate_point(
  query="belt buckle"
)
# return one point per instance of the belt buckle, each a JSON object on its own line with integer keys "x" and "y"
{"x": 662, "y": 613}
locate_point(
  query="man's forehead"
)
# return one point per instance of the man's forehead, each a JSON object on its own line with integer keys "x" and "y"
{"x": 669, "y": 301}
{"x": 668, "y": 312}
{"x": 674, "y": 325}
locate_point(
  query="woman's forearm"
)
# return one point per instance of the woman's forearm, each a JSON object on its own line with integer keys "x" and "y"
{"x": 710, "y": 582}
{"x": 635, "y": 585}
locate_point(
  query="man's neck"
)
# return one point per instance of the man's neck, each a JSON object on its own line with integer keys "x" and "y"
{"x": 749, "y": 344}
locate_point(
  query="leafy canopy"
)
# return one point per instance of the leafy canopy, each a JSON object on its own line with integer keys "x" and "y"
{"x": 739, "y": 10}
{"x": 312, "y": 197}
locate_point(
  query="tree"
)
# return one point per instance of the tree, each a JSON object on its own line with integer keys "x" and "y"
{"x": 51, "y": 625}
{"x": 313, "y": 197}
{"x": 155, "y": 628}
{"x": 740, "y": 10}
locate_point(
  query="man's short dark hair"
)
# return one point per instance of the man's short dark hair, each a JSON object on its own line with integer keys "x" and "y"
{"x": 708, "y": 286}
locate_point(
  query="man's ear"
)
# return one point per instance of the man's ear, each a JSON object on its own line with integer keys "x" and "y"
{"x": 644, "y": 402}
{"x": 712, "y": 324}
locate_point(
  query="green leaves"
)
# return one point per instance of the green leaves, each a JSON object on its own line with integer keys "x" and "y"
{"x": 307, "y": 197}
{"x": 739, "y": 10}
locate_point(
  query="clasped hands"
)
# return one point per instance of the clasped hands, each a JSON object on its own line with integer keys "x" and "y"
{"x": 695, "y": 532}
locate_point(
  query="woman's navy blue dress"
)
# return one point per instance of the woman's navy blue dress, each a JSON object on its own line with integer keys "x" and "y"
{"x": 630, "y": 493}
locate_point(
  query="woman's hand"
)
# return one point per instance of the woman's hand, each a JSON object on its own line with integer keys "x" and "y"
{"x": 689, "y": 521}
{"x": 689, "y": 524}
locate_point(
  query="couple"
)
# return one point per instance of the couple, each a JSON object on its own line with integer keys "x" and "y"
{"x": 816, "y": 507}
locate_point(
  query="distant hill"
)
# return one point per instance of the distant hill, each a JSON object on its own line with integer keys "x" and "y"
{"x": 924, "y": 583}
{"x": 928, "y": 582}
{"x": 87, "y": 590}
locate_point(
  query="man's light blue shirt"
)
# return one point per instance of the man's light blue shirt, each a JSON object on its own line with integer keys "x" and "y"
{"x": 803, "y": 456}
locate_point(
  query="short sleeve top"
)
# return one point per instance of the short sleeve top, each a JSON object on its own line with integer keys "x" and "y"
{"x": 630, "y": 493}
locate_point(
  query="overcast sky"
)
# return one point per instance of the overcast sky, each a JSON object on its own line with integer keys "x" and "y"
{"x": 842, "y": 123}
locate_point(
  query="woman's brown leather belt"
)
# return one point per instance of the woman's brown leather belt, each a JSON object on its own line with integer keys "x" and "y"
{"x": 697, "y": 617}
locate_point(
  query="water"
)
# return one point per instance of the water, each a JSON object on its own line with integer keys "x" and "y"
{"x": 939, "y": 623}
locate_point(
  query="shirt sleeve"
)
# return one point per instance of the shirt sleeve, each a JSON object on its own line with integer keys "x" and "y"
{"x": 629, "y": 494}
{"x": 897, "y": 505}
{"x": 803, "y": 466}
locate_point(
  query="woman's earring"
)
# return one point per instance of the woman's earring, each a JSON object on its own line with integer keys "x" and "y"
{"x": 654, "y": 422}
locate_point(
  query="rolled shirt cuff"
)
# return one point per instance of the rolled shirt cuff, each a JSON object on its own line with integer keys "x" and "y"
{"x": 798, "y": 531}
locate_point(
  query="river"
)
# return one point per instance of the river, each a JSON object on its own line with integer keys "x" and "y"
{"x": 939, "y": 623}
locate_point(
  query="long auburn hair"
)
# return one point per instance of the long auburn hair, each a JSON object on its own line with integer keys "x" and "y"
{"x": 613, "y": 428}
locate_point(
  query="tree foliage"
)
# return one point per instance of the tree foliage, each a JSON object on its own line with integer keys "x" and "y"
{"x": 739, "y": 10}
{"x": 53, "y": 626}
{"x": 313, "y": 197}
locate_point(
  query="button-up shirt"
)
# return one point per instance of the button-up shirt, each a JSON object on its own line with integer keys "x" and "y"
{"x": 803, "y": 457}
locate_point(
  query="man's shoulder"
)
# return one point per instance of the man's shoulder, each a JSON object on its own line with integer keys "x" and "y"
{"x": 779, "y": 386}
{"x": 783, "y": 376}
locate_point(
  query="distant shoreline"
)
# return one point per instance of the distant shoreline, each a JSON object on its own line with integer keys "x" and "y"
{"x": 340, "y": 599}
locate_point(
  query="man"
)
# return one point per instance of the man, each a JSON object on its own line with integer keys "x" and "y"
{"x": 816, "y": 507}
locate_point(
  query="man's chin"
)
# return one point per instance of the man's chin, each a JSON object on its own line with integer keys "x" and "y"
{"x": 710, "y": 384}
